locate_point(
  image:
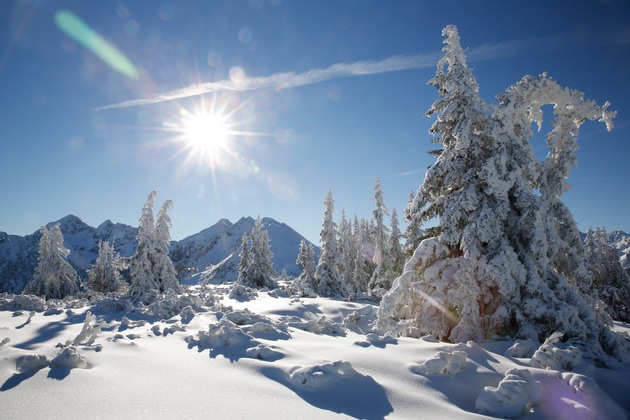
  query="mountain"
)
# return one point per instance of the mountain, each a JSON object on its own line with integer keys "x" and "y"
{"x": 213, "y": 254}
{"x": 621, "y": 241}
{"x": 207, "y": 254}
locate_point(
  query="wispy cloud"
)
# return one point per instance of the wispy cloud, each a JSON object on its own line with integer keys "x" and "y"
{"x": 287, "y": 80}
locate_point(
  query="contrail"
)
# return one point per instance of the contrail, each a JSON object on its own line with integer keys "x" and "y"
{"x": 287, "y": 80}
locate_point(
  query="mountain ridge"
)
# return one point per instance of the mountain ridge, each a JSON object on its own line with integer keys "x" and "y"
{"x": 192, "y": 256}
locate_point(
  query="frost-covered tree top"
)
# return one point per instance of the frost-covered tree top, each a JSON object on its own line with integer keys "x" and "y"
{"x": 506, "y": 258}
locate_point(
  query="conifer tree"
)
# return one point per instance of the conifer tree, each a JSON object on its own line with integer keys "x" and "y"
{"x": 610, "y": 284}
{"x": 304, "y": 283}
{"x": 104, "y": 276}
{"x": 360, "y": 275}
{"x": 327, "y": 278}
{"x": 499, "y": 263}
{"x": 243, "y": 264}
{"x": 164, "y": 269}
{"x": 256, "y": 268}
{"x": 54, "y": 277}
{"x": 151, "y": 267}
{"x": 380, "y": 231}
{"x": 346, "y": 248}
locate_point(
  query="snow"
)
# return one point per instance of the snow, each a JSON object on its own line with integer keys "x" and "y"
{"x": 274, "y": 355}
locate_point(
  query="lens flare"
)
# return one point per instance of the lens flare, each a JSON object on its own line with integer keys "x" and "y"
{"x": 75, "y": 28}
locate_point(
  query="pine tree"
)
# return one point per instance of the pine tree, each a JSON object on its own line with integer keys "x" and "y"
{"x": 104, "y": 276}
{"x": 346, "y": 247}
{"x": 304, "y": 284}
{"x": 413, "y": 233}
{"x": 360, "y": 275}
{"x": 151, "y": 267}
{"x": 163, "y": 268}
{"x": 610, "y": 284}
{"x": 499, "y": 262}
{"x": 327, "y": 278}
{"x": 379, "y": 231}
{"x": 54, "y": 277}
{"x": 256, "y": 268}
{"x": 243, "y": 264}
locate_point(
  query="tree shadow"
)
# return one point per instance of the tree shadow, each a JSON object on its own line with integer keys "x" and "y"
{"x": 355, "y": 395}
{"x": 59, "y": 373}
{"x": 16, "y": 379}
{"x": 50, "y": 331}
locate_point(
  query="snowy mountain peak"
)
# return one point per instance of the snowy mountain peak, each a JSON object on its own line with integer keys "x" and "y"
{"x": 70, "y": 224}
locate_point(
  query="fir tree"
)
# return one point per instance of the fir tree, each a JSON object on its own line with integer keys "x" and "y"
{"x": 346, "y": 248}
{"x": 54, "y": 277}
{"x": 327, "y": 278}
{"x": 151, "y": 266}
{"x": 243, "y": 263}
{"x": 304, "y": 284}
{"x": 257, "y": 271}
{"x": 500, "y": 261}
{"x": 610, "y": 284}
{"x": 164, "y": 269}
{"x": 360, "y": 275}
{"x": 104, "y": 276}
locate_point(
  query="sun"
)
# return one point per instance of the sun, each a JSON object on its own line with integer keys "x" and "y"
{"x": 206, "y": 133}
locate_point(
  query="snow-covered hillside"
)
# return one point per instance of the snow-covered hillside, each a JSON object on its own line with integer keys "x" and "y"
{"x": 215, "y": 249}
{"x": 203, "y": 354}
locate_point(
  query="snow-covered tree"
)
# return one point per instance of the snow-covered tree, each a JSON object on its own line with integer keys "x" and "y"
{"x": 54, "y": 277}
{"x": 164, "y": 268}
{"x": 151, "y": 266}
{"x": 104, "y": 275}
{"x": 413, "y": 234}
{"x": 257, "y": 263}
{"x": 346, "y": 247}
{"x": 327, "y": 278}
{"x": 379, "y": 230}
{"x": 243, "y": 263}
{"x": 360, "y": 273}
{"x": 610, "y": 284}
{"x": 498, "y": 264}
{"x": 304, "y": 284}
{"x": 395, "y": 253}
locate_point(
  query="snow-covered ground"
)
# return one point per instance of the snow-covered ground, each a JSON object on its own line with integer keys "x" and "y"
{"x": 208, "y": 356}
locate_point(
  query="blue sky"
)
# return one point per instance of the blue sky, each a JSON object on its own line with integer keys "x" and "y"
{"x": 304, "y": 116}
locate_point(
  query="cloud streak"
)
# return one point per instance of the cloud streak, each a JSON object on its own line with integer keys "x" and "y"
{"x": 288, "y": 80}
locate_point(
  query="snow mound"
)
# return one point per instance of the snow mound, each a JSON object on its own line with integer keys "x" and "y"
{"x": 312, "y": 378}
{"x": 9, "y": 302}
{"x": 69, "y": 358}
{"x": 515, "y": 395}
{"x": 521, "y": 349}
{"x": 264, "y": 352}
{"x": 554, "y": 355}
{"x": 126, "y": 324}
{"x": 172, "y": 305}
{"x": 242, "y": 293}
{"x": 31, "y": 362}
{"x": 570, "y": 396}
{"x": 320, "y": 327}
{"x": 445, "y": 363}
{"x": 4, "y": 342}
